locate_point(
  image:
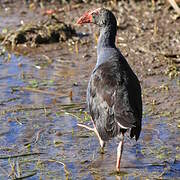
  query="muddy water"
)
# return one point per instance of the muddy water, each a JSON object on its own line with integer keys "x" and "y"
{"x": 42, "y": 94}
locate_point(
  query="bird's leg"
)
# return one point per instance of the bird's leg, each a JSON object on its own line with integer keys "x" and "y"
{"x": 119, "y": 153}
{"x": 101, "y": 142}
{"x": 84, "y": 126}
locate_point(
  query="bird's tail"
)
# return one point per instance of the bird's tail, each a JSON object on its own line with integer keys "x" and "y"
{"x": 135, "y": 131}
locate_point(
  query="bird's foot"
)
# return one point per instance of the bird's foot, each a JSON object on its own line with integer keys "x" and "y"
{"x": 101, "y": 142}
{"x": 102, "y": 150}
{"x": 118, "y": 169}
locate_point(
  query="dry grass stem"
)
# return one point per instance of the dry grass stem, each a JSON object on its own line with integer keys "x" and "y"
{"x": 175, "y": 6}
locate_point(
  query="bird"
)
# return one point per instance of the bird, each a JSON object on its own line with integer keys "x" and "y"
{"x": 114, "y": 91}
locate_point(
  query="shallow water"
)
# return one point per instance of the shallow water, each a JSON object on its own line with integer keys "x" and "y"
{"x": 60, "y": 138}
{"x": 42, "y": 100}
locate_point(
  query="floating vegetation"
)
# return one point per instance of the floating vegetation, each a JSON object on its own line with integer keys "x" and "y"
{"x": 172, "y": 71}
{"x": 19, "y": 155}
{"x": 49, "y": 31}
{"x": 35, "y": 84}
{"x": 62, "y": 107}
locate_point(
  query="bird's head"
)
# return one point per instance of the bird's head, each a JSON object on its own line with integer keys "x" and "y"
{"x": 101, "y": 16}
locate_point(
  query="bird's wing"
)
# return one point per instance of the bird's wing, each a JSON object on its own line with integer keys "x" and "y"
{"x": 135, "y": 100}
{"x": 109, "y": 98}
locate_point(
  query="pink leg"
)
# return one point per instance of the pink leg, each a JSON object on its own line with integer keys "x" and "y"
{"x": 101, "y": 142}
{"x": 119, "y": 153}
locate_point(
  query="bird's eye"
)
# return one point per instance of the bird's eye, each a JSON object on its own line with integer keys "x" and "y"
{"x": 93, "y": 14}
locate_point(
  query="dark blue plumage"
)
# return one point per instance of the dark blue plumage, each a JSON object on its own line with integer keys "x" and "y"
{"x": 114, "y": 92}
{"x": 113, "y": 96}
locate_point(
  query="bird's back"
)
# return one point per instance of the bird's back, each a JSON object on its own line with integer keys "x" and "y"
{"x": 114, "y": 98}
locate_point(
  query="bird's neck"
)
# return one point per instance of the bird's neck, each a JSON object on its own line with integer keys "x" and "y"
{"x": 106, "y": 45}
{"x": 106, "y": 38}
